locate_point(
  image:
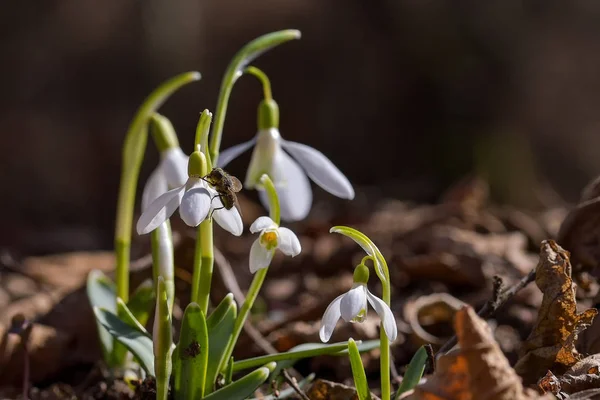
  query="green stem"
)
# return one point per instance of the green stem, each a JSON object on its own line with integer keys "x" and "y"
{"x": 263, "y": 78}
{"x": 133, "y": 154}
{"x": 274, "y": 208}
{"x": 162, "y": 260}
{"x": 255, "y": 286}
{"x": 203, "y": 256}
{"x": 243, "y": 57}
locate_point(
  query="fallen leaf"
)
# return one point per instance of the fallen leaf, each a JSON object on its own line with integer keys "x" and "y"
{"x": 551, "y": 344}
{"x": 326, "y": 390}
{"x": 476, "y": 370}
{"x": 426, "y": 312}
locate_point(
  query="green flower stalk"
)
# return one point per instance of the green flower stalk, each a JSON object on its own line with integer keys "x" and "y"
{"x": 162, "y": 341}
{"x": 351, "y": 306}
{"x": 245, "y": 56}
{"x": 133, "y": 154}
{"x": 163, "y": 265}
{"x": 272, "y": 237}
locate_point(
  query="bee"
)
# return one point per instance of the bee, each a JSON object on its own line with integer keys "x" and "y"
{"x": 226, "y": 186}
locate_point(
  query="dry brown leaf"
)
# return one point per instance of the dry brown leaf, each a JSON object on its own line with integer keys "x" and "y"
{"x": 434, "y": 310}
{"x": 477, "y": 370}
{"x": 582, "y": 376}
{"x": 551, "y": 344}
{"x": 326, "y": 390}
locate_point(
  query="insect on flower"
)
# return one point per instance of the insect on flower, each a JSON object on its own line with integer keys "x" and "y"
{"x": 226, "y": 186}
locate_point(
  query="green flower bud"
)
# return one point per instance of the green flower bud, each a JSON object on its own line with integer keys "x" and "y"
{"x": 361, "y": 274}
{"x": 197, "y": 165}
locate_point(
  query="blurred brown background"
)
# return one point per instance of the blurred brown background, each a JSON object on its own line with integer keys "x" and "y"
{"x": 404, "y": 96}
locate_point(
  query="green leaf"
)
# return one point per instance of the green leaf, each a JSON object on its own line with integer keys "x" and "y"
{"x": 414, "y": 372}
{"x": 140, "y": 303}
{"x": 303, "y": 351}
{"x": 284, "y": 394}
{"x": 191, "y": 355}
{"x": 138, "y": 342}
{"x": 243, "y": 387}
{"x": 101, "y": 292}
{"x": 220, "y": 326}
{"x": 125, "y": 315}
{"x": 358, "y": 372}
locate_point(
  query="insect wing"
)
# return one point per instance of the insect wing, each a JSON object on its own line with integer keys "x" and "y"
{"x": 236, "y": 185}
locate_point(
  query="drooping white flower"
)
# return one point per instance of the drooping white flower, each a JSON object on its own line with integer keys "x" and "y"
{"x": 272, "y": 237}
{"x": 352, "y": 307}
{"x": 170, "y": 173}
{"x": 196, "y": 201}
{"x": 290, "y": 175}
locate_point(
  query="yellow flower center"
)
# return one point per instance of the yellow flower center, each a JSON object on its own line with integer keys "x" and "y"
{"x": 268, "y": 240}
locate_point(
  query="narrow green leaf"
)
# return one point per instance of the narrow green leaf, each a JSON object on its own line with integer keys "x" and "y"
{"x": 220, "y": 326}
{"x": 125, "y": 315}
{"x": 284, "y": 394}
{"x": 414, "y": 372}
{"x": 137, "y": 342}
{"x": 358, "y": 372}
{"x": 191, "y": 355}
{"x": 163, "y": 341}
{"x": 302, "y": 351}
{"x": 101, "y": 292}
{"x": 140, "y": 302}
{"x": 229, "y": 371}
{"x": 243, "y": 387}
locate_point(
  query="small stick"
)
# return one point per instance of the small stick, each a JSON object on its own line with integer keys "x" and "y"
{"x": 292, "y": 382}
{"x": 499, "y": 298}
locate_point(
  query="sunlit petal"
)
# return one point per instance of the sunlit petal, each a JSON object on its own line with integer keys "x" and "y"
{"x": 159, "y": 210}
{"x": 231, "y": 153}
{"x": 330, "y": 319}
{"x": 230, "y": 220}
{"x": 263, "y": 157}
{"x": 155, "y": 186}
{"x": 195, "y": 206}
{"x": 262, "y": 223}
{"x": 354, "y": 303}
{"x": 387, "y": 318}
{"x": 259, "y": 256}
{"x": 293, "y": 188}
{"x": 288, "y": 242}
{"x": 174, "y": 164}
{"x": 320, "y": 169}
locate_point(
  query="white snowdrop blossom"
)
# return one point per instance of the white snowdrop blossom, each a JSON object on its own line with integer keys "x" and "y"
{"x": 271, "y": 237}
{"x": 170, "y": 173}
{"x": 290, "y": 175}
{"x": 352, "y": 307}
{"x": 196, "y": 201}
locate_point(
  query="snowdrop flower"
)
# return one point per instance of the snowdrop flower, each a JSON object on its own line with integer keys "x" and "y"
{"x": 352, "y": 307}
{"x": 289, "y": 173}
{"x": 196, "y": 201}
{"x": 272, "y": 237}
{"x": 172, "y": 168}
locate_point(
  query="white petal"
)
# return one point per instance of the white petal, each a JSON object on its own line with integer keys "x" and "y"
{"x": 320, "y": 169}
{"x": 174, "y": 164}
{"x": 155, "y": 186}
{"x": 353, "y": 303}
{"x": 293, "y": 188}
{"x": 195, "y": 206}
{"x": 330, "y": 319}
{"x": 262, "y": 223}
{"x": 259, "y": 256}
{"x": 263, "y": 157}
{"x": 231, "y": 153}
{"x": 288, "y": 242}
{"x": 387, "y": 318}
{"x": 159, "y": 210}
{"x": 230, "y": 220}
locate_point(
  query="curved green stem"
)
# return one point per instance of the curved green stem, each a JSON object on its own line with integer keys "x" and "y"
{"x": 383, "y": 273}
{"x": 133, "y": 154}
{"x": 243, "y": 57}
{"x": 260, "y": 275}
{"x": 264, "y": 80}
{"x": 274, "y": 208}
